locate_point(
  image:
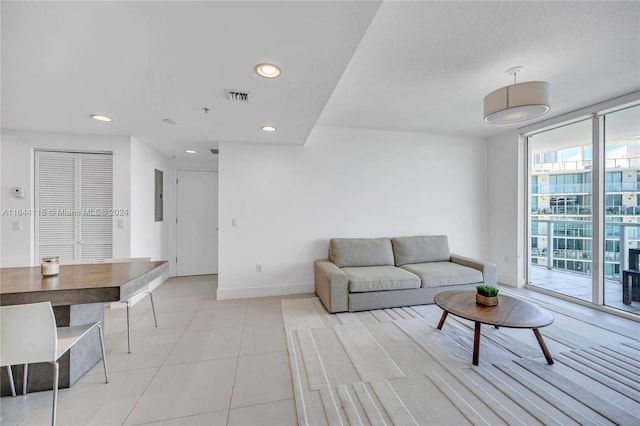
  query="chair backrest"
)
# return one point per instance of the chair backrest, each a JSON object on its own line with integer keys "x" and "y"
{"x": 28, "y": 334}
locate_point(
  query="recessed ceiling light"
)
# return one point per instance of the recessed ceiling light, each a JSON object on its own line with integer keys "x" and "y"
{"x": 268, "y": 129}
{"x": 190, "y": 151}
{"x": 101, "y": 118}
{"x": 268, "y": 70}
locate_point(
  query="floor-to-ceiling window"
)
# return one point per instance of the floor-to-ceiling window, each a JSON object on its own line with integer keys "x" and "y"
{"x": 563, "y": 172}
{"x": 560, "y": 214}
{"x": 622, "y": 211}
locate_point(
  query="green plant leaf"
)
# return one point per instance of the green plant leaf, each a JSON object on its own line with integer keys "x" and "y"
{"x": 487, "y": 291}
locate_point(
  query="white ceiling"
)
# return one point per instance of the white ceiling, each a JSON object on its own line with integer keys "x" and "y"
{"x": 404, "y": 66}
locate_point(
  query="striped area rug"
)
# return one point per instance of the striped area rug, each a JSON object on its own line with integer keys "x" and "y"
{"x": 393, "y": 367}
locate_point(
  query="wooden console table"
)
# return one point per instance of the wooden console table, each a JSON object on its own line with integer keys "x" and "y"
{"x": 78, "y": 294}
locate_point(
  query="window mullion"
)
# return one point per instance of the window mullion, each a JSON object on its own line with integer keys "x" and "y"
{"x": 598, "y": 208}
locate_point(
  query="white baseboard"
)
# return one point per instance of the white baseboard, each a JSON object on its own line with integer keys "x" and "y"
{"x": 510, "y": 281}
{"x": 275, "y": 290}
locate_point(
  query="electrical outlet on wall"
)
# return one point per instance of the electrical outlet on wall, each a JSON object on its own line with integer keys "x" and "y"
{"x": 258, "y": 267}
{"x": 17, "y": 191}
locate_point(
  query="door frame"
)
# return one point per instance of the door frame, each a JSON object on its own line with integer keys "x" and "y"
{"x": 174, "y": 225}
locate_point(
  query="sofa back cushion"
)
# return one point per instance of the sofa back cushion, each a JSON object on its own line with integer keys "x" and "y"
{"x": 354, "y": 252}
{"x": 421, "y": 249}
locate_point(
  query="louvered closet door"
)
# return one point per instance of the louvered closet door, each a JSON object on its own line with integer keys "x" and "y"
{"x": 73, "y": 199}
{"x": 96, "y": 201}
{"x": 55, "y": 194}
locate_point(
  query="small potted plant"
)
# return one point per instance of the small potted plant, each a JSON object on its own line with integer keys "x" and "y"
{"x": 487, "y": 295}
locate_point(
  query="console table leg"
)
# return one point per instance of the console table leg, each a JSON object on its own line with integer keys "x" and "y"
{"x": 442, "y": 318}
{"x": 476, "y": 343}
{"x": 543, "y": 346}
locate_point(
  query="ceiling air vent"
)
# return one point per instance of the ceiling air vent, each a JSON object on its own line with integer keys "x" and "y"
{"x": 214, "y": 151}
{"x": 237, "y": 96}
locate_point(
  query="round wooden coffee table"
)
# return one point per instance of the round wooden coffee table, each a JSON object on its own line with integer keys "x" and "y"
{"x": 509, "y": 312}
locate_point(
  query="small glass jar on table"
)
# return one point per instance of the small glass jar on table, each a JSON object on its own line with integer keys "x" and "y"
{"x": 50, "y": 266}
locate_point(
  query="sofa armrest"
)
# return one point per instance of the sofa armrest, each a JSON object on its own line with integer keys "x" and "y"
{"x": 332, "y": 286}
{"x": 488, "y": 269}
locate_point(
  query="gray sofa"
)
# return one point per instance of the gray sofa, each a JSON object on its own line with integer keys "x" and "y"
{"x": 374, "y": 273}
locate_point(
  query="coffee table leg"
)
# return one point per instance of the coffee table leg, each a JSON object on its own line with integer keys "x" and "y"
{"x": 442, "y": 318}
{"x": 543, "y": 346}
{"x": 476, "y": 343}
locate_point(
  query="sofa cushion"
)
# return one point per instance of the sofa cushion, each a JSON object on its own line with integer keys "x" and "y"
{"x": 345, "y": 252}
{"x": 420, "y": 249}
{"x": 376, "y": 278}
{"x": 437, "y": 274}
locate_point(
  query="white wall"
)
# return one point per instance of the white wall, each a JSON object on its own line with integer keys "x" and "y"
{"x": 506, "y": 207}
{"x": 343, "y": 183}
{"x": 148, "y": 237}
{"x": 17, "y": 158}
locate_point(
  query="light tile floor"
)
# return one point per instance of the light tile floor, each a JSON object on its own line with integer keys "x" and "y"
{"x": 209, "y": 362}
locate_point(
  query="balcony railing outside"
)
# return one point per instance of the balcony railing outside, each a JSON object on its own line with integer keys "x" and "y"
{"x": 585, "y": 165}
{"x": 615, "y": 231}
{"x": 583, "y": 188}
{"x": 586, "y": 210}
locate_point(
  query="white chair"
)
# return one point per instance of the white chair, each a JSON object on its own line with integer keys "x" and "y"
{"x": 128, "y": 301}
{"x": 28, "y": 334}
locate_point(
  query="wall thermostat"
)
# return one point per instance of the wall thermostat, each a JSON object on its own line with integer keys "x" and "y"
{"x": 17, "y": 191}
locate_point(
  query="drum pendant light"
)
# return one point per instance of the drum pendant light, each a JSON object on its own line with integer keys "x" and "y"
{"x": 517, "y": 102}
